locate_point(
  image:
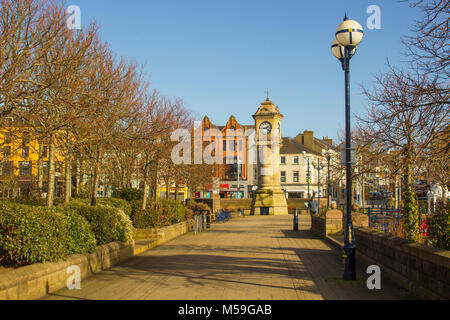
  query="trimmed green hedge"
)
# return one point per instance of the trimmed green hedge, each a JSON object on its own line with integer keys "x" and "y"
{"x": 160, "y": 214}
{"x": 116, "y": 203}
{"x": 130, "y": 194}
{"x": 108, "y": 224}
{"x": 32, "y": 234}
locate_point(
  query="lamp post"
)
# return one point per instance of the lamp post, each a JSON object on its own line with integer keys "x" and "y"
{"x": 328, "y": 156}
{"x": 308, "y": 174}
{"x": 348, "y": 35}
{"x": 319, "y": 167}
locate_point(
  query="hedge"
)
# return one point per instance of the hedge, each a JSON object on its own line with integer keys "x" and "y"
{"x": 108, "y": 224}
{"x": 164, "y": 212}
{"x": 32, "y": 234}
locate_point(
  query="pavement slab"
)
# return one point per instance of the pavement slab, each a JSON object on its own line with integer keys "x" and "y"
{"x": 255, "y": 258}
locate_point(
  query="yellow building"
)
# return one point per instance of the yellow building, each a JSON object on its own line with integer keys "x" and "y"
{"x": 19, "y": 155}
{"x": 182, "y": 193}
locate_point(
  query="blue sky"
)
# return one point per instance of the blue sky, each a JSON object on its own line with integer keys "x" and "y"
{"x": 220, "y": 56}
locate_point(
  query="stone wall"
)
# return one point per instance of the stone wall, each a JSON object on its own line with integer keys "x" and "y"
{"x": 37, "y": 280}
{"x": 234, "y": 204}
{"x": 318, "y": 226}
{"x": 164, "y": 234}
{"x": 323, "y": 226}
{"x": 423, "y": 270}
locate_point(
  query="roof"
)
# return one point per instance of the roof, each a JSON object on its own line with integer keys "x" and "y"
{"x": 290, "y": 146}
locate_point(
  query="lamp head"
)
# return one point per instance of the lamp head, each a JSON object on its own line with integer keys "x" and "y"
{"x": 338, "y": 50}
{"x": 349, "y": 33}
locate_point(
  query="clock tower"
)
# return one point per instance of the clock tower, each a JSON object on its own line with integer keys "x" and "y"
{"x": 269, "y": 199}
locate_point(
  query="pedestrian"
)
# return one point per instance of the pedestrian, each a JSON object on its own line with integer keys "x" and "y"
{"x": 312, "y": 206}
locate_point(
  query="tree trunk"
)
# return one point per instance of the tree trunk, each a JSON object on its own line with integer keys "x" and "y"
{"x": 95, "y": 179}
{"x": 144, "y": 196}
{"x": 68, "y": 179}
{"x": 51, "y": 171}
{"x": 167, "y": 189}
{"x": 411, "y": 211}
{"x": 40, "y": 169}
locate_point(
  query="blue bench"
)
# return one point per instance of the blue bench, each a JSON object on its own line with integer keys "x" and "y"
{"x": 223, "y": 216}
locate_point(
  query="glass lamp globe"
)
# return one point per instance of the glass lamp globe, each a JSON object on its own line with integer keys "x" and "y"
{"x": 349, "y": 33}
{"x": 338, "y": 50}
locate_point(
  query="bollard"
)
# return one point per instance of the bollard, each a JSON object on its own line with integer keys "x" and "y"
{"x": 208, "y": 220}
{"x": 295, "y": 219}
{"x": 195, "y": 224}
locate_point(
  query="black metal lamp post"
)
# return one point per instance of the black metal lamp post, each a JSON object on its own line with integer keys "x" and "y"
{"x": 319, "y": 167}
{"x": 308, "y": 173}
{"x": 328, "y": 156}
{"x": 348, "y": 35}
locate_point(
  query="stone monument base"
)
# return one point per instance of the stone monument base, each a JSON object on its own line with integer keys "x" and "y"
{"x": 269, "y": 201}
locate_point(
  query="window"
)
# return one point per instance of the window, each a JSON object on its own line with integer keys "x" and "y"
{"x": 283, "y": 176}
{"x": 232, "y": 145}
{"x": 224, "y": 145}
{"x": 8, "y": 137}
{"x": 7, "y": 168}
{"x": 6, "y": 151}
{"x": 295, "y": 160}
{"x": 25, "y": 168}
{"x": 296, "y": 176}
{"x": 58, "y": 168}
{"x": 240, "y": 145}
{"x": 44, "y": 151}
{"x": 25, "y": 152}
{"x": 45, "y": 167}
{"x": 25, "y": 138}
{"x": 283, "y": 160}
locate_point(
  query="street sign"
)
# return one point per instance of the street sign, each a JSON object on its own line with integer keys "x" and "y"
{"x": 352, "y": 157}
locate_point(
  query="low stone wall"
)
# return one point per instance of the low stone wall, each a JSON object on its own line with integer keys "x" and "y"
{"x": 37, "y": 280}
{"x": 322, "y": 226}
{"x": 164, "y": 234}
{"x": 423, "y": 270}
{"x": 318, "y": 226}
{"x": 234, "y": 204}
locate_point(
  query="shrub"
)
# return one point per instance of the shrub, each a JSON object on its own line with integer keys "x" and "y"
{"x": 136, "y": 205}
{"x": 130, "y": 194}
{"x": 439, "y": 227}
{"x": 108, "y": 224}
{"x": 162, "y": 213}
{"x": 116, "y": 203}
{"x": 81, "y": 239}
{"x": 31, "y": 235}
{"x": 188, "y": 214}
{"x": 174, "y": 210}
{"x": 144, "y": 219}
{"x": 198, "y": 207}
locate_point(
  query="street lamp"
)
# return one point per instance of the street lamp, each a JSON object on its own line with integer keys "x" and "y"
{"x": 319, "y": 167}
{"x": 328, "y": 157}
{"x": 348, "y": 35}
{"x": 308, "y": 174}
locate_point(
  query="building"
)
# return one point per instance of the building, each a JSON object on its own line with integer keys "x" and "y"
{"x": 241, "y": 181}
{"x": 19, "y": 157}
{"x": 303, "y": 163}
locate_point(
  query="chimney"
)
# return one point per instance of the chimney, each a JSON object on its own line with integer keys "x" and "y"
{"x": 328, "y": 140}
{"x": 308, "y": 138}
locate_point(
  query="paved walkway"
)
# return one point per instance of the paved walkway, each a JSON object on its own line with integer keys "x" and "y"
{"x": 255, "y": 258}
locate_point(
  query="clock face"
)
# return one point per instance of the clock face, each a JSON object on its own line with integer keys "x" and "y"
{"x": 265, "y": 128}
